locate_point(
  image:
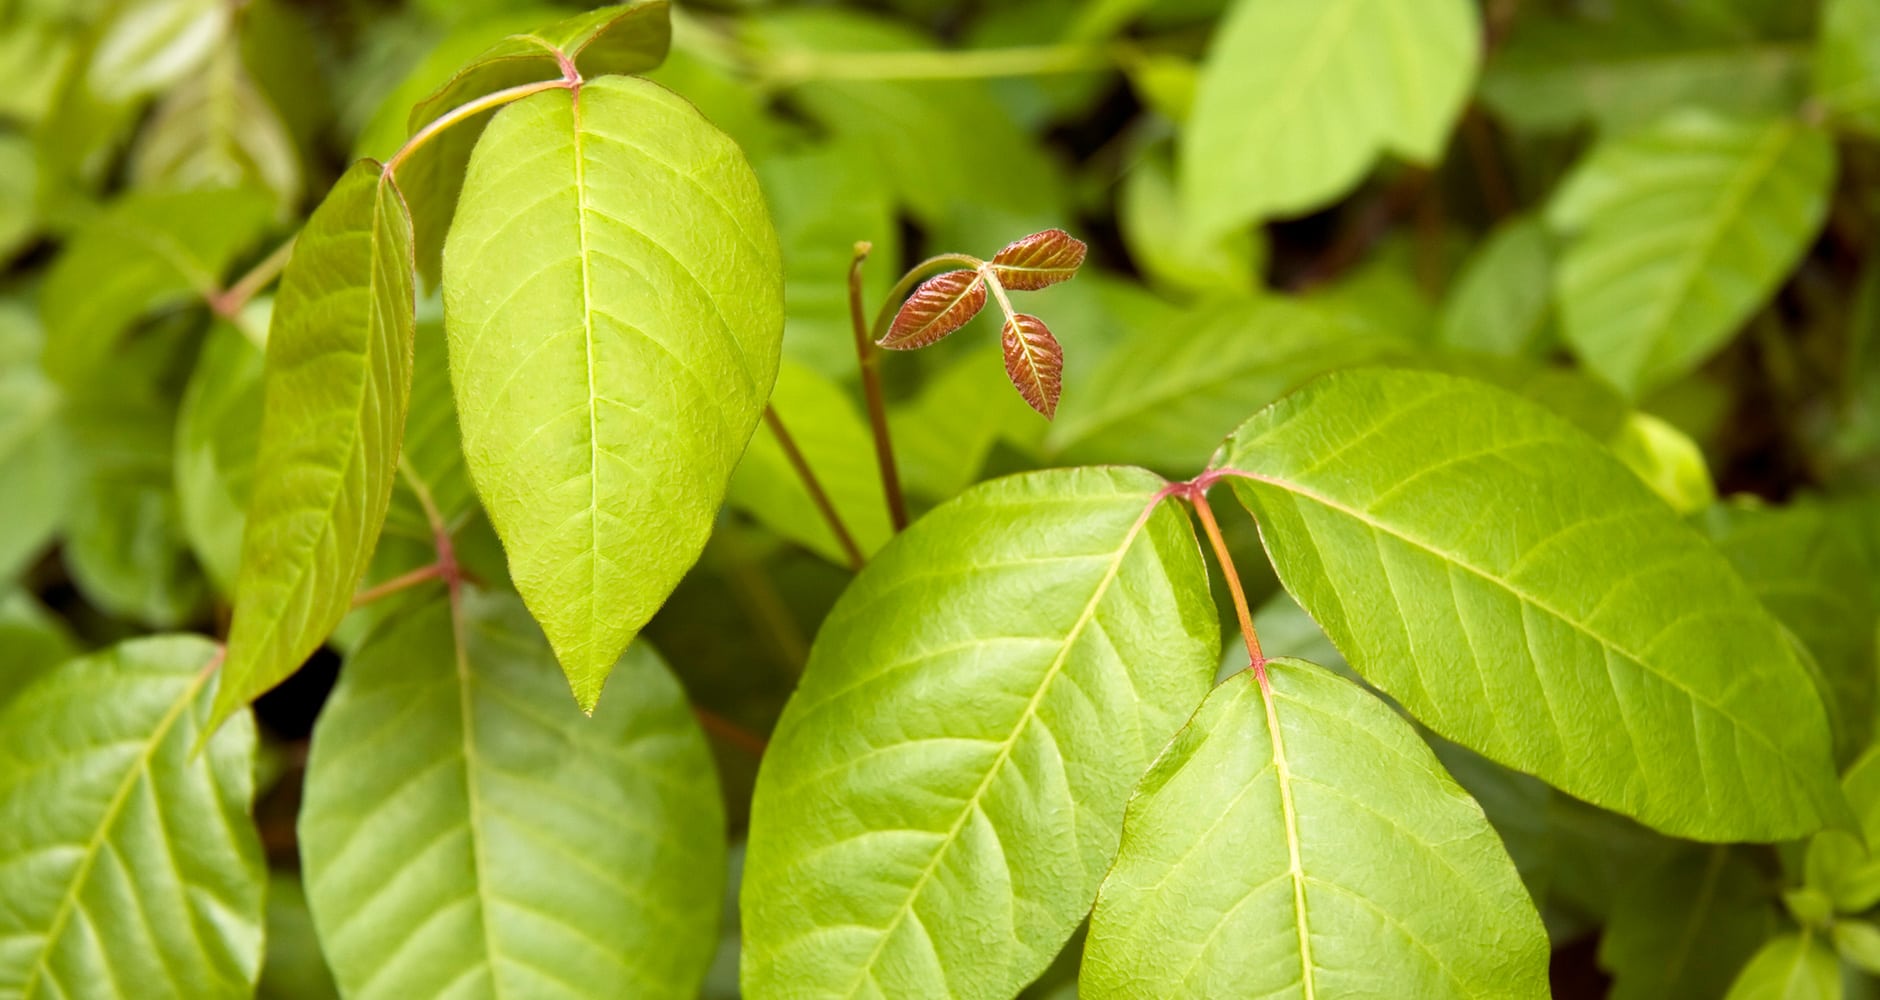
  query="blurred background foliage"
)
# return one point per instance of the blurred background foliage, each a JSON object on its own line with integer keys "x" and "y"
{"x": 1658, "y": 216}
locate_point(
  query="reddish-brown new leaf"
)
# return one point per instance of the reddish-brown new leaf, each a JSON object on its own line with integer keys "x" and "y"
{"x": 941, "y": 305}
{"x": 1034, "y": 361}
{"x": 1038, "y": 260}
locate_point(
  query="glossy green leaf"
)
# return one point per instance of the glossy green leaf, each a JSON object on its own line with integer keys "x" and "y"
{"x": 1308, "y": 843}
{"x": 1296, "y": 101}
{"x": 1847, "y": 63}
{"x": 1624, "y": 65}
{"x": 35, "y": 466}
{"x": 1681, "y": 930}
{"x": 943, "y": 792}
{"x": 338, "y": 380}
{"x": 467, "y": 832}
{"x": 615, "y": 317}
{"x": 1519, "y": 591}
{"x": 217, "y": 433}
{"x": 1675, "y": 234}
{"x": 1165, "y": 397}
{"x": 833, "y": 436}
{"x": 1503, "y": 301}
{"x": 148, "y": 251}
{"x": 129, "y": 865}
{"x": 630, "y": 38}
{"x": 1804, "y": 563}
{"x": 1790, "y": 967}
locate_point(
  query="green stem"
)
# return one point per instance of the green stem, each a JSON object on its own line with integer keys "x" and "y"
{"x": 800, "y": 65}
{"x": 471, "y": 109}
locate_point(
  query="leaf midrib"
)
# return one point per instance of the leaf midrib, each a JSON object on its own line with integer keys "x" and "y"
{"x": 1283, "y": 773}
{"x": 139, "y": 767}
{"x": 1520, "y": 594}
{"x": 1084, "y": 618}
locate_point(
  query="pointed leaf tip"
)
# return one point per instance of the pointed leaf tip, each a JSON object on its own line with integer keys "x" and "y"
{"x": 1034, "y": 361}
{"x": 1039, "y": 260}
{"x": 941, "y": 305}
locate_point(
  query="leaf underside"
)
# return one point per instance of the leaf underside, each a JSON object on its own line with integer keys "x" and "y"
{"x": 1521, "y": 592}
{"x": 1309, "y": 845}
{"x": 614, "y": 317}
{"x": 944, "y": 790}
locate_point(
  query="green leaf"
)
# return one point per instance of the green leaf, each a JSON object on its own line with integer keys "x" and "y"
{"x": 612, "y": 299}
{"x": 1165, "y": 396}
{"x": 1841, "y": 863}
{"x": 518, "y": 848}
{"x": 128, "y": 864}
{"x": 1667, "y": 460}
{"x": 151, "y": 46}
{"x": 1519, "y": 591}
{"x": 943, "y": 792}
{"x": 217, "y": 433}
{"x": 1847, "y": 63}
{"x": 32, "y": 640}
{"x": 1677, "y": 233}
{"x": 1790, "y": 967}
{"x": 1803, "y": 564}
{"x": 1148, "y": 210}
{"x": 835, "y": 441}
{"x": 216, "y": 129}
{"x": 19, "y": 182}
{"x": 1680, "y": 930}
{"x": 1623, "y": 65}
{"x": 630, "y": 38}
{"x": 1503, "y": 301}
{"x": 35, "y": 463}
{"x": 1296, "y": 101}
{"x": 294, "y": 968}
{"x": 1308, "y": 840}
{"x": 1859, "y": 942}
{"x": 333, "y": 417}
{"x": 148, "y": 251}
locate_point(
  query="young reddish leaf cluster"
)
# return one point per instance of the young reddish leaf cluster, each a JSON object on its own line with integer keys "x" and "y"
{"x": 1034, "y": 360}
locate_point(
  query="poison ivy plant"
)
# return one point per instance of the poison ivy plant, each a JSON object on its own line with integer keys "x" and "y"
{"x": 1562, "y": 614}
{"x": 1297, "y": 834}
{"x": 942, "y": 795}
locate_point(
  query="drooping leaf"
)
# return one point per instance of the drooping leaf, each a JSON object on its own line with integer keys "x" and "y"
{"x": 1039, "y": 260}
{"x": 338, "y": 380}
{"x": 217, "y": 432}
{"x": 1624, "y": 65}
{"x": 1677, "y": 233}
{"x": 35, "y": 465}
{"x": 1308, "y": 843}
{"x": 612, "y": 342}
{"x": 1519, "y": 591}
{"x": 129, "y": 865}
{"x": 1034, "y": 361}
{"x": 629, "y": 38}
{"x": 1803, "y": 562}
{"x": 1165, "y": 396}
{"x": 834, "y": 439}
{"x": 1296, "y": 101}
{"x": 1682, "y": 929}
{"x": 1790, "y": 967}
{"x": 467, "y": 830}
{"x": 1503, "y": 300}
{"x": 149, "y": 250}
{"x": 1847, "y": 63}
{"x": 939, "y": 306}
{"x": 943, "y": 792}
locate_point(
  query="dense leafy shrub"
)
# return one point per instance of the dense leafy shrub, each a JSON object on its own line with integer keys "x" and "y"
{"x": 471, "y": 479}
